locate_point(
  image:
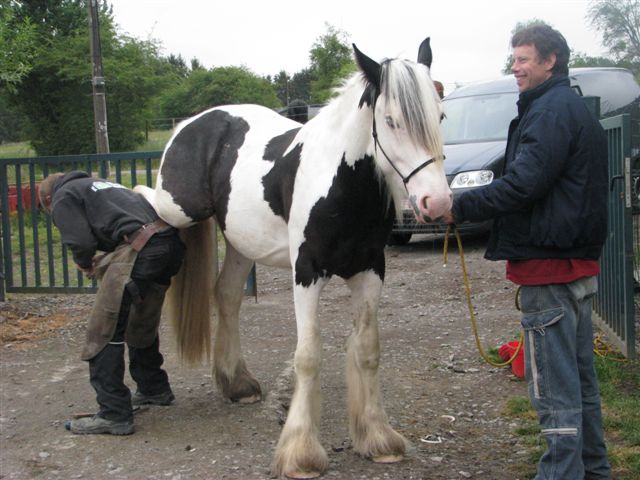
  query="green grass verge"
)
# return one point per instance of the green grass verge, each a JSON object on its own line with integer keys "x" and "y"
{"x": 620, "y": 391}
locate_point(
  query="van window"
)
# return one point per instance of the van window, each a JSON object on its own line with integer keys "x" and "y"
{"x": 481, "y": 118}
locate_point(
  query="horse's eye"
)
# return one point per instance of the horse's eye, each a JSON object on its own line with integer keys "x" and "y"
{"x": 389, "y": 121}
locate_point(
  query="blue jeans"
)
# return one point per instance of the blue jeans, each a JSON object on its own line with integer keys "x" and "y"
{"x": 562, "y": 382}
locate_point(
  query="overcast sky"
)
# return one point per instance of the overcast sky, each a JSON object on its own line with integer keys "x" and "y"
{"x": 469, "y": 38}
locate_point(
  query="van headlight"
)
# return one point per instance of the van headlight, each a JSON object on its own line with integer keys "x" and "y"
{"x": 475, "y": 178}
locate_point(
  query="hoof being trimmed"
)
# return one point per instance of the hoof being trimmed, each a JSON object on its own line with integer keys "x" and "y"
{"x": 302, "y": 475}
{"x": 388, "y": 458}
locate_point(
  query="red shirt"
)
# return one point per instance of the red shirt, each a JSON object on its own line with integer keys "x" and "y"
{"x": 550, "y": 270}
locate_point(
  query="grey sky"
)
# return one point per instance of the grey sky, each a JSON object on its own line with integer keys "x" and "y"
{"x": 470, "y": 39}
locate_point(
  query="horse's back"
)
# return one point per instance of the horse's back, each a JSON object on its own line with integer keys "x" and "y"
{"x": 194, "y": 180}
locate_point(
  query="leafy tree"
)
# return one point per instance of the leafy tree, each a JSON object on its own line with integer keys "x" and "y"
{"x": 17, "y": 46}
{"x": 331, "y": 61}
{"x": 300, "y": 85}
{"x": 281, "y": 84}
{"x": 619, "y": 22}
{"x": 219, "y": 86}
{"x": 579, "y": 59}
{"x": 55, "y": 95}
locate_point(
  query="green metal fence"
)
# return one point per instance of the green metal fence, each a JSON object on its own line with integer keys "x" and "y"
{"x": 32, "y": 256}
{"x": 614, "y": 306}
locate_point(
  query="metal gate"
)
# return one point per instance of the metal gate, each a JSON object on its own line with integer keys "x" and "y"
{"x": 32, "y": 256}
{"x": 614, "y": 305}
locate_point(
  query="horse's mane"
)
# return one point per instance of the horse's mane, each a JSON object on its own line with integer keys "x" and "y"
{"x": 410, "y": 85}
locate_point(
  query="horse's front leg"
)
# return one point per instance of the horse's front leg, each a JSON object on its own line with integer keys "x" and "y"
{"x": 230, "y": 370}
{"x": 371, "y": 433}
{"x": 299, "y": 453}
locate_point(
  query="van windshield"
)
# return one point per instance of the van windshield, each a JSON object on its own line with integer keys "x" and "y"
{"x": 481, "y": 118}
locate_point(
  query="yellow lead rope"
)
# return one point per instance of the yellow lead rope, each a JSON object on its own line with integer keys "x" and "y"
{"x": 471, "y": 312}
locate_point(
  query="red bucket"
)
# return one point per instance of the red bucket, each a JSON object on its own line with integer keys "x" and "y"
{"x": 507, "y": 350}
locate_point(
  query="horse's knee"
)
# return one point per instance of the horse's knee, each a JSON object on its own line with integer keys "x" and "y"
{"x": 307, "y": 361}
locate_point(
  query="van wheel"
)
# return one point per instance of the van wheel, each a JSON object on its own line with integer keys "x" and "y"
{"x": 399, "y": 239}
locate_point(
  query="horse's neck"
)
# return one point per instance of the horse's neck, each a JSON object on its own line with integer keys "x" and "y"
{"x": 344, "y": 124}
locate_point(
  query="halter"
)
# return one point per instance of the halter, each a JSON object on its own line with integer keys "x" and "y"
{"x": 376, "y": 144}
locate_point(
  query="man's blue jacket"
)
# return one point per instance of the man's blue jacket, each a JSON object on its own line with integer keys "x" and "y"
{"x": 551, "y": 201}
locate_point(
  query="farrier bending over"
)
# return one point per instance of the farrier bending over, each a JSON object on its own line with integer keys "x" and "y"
{"x": 143, "y": 253}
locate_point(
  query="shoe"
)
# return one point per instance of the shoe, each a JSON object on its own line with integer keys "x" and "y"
{"x": 164, "y": 398}
{"x": 96, "y": 424}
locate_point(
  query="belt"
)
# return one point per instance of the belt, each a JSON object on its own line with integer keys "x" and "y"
{"x": 140, "y": 237}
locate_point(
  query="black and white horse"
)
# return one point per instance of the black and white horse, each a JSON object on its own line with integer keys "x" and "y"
{"x": 318, "y": 199}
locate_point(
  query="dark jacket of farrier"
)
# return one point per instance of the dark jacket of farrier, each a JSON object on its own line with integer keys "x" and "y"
{"x": 94, "y": 214}
{"x": 551, "y": 201}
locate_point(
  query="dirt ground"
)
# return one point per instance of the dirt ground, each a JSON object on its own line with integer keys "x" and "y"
{"x": 438, "y": 392}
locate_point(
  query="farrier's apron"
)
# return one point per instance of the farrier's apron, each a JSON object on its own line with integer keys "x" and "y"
{"x": 113, "y": 271}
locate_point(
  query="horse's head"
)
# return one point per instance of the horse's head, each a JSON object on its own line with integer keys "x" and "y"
{"x": 406, "y": 130}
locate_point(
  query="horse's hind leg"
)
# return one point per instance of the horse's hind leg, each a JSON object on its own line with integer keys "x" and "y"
{"x": 230, "y": 370}
{"x": 371, "y": 433}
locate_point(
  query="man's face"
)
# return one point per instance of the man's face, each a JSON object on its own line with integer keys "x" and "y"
{"x": 529, "y": 69}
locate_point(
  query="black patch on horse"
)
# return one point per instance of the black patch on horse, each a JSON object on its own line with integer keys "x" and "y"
{"x": 278, "y": 183}
{"x": 347, "y": 230}
{"x": 197, "y": 167}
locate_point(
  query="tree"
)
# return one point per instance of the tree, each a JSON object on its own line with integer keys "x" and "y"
{"x": 17, "y": 46}
{"x": 300, "y": 85}
{"x": 55, "y": 95}
{"x": 331, "y": 61}
{"x": 219, "y": 86}
{"x": 619, "y": 22}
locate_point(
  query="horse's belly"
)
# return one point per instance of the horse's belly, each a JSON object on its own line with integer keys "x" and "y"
{"x": 258, "y": 234}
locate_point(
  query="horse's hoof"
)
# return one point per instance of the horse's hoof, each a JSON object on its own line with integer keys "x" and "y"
{"x": 302, "y": 475}
{"x": 250, "y": 400}
{"x": 387, "y": 458}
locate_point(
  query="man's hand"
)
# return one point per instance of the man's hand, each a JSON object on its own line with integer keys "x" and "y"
{"x": 448, "y": 217}
{"x": 87, "y": 271}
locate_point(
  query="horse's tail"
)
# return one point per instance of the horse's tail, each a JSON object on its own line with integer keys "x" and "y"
{"x": 189, "y": 298}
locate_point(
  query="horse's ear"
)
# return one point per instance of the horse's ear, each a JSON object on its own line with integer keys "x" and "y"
{"x": 424, "y": 52}
{"x": 370, "y": 68}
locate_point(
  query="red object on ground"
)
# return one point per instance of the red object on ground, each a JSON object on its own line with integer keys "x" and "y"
{"x": 26, "y": 197}
{"x": 507, "y": 350}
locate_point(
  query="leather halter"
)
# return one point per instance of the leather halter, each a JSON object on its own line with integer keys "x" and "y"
{"x": 376, "y": 144}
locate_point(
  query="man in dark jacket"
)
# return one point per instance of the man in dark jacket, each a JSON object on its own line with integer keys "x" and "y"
{"x": 550, "y": 222}
{"x": 143, "y": 253}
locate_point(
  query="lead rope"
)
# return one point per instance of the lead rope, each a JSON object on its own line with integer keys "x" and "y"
{"x": 474, "y": 325}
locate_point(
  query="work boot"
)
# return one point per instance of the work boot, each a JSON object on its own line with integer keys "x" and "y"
{"x": 164, "y": 398}
{"x": 96, "y": 424}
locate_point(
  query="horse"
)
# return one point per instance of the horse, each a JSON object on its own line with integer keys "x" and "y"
{"x": 319, "y": 198}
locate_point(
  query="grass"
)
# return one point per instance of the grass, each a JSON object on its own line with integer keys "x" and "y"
{"x": 620, "y": 391}
{"x": 156, "y": 141}
{"x": 16, "y": 150}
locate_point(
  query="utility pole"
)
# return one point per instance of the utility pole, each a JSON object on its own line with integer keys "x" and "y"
{"x": 97, "y": 81}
